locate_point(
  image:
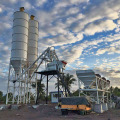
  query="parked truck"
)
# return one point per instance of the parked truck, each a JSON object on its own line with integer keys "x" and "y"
{"x": 78, "y": 104}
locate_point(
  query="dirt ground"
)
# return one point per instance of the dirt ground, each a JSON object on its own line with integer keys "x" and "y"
{"x": 48, "y": 112}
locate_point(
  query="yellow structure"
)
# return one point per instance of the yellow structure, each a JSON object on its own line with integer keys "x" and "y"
{"x": 76, "y": 107}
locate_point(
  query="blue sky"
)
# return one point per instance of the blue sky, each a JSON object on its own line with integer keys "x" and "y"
{"x": 85, "y": 33}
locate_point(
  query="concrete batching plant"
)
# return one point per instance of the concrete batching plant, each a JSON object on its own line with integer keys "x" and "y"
{"x": 25, "y": 62}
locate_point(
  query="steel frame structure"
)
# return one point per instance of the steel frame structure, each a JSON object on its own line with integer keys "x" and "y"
{"x": 53, "y": 73}
{"x": 47, "y": 74}
{"x": 96, "y": 91}
{"x": 19, "y": 89}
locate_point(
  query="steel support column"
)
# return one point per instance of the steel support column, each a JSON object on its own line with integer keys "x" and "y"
{"x": 58, "y": 91}
{"x": 97, "y": 91}
{"x": 47, "y": 91}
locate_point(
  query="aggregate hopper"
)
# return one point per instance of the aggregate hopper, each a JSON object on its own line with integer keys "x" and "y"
{"x": 78, "y": 104}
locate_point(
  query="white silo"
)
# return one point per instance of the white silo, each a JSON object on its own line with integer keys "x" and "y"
{"x": 32, "y": 43}
{"x": 19, "y": 40}
{"x": 19, "y": 84}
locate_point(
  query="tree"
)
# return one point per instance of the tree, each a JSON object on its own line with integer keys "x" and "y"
{"x": 111, "y": 89}
{"x": 116, "y": 91}
{"x": 76, "y": 93}
{"x": 1, "y": 95}
{"x": 68, "y": 80}
{"x": 40, "y": 89}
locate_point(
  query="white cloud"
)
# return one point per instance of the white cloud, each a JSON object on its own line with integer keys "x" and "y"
{"x": 73, "y": 54}
{"x": 105, "y": 10}
{"x": 113, "y": 46}
{"x": 0, "y": 10}
{"x": 70, "y": 54}
{"x": 73, "y": 10}
{"x": 4, "y": 26}
{"x": 100, "y": 26}
{"x": 60, "y": 37}
{"x": 71, "y": 20}
{"x": 8, "y": 1}
{"x": 111, "y": 38}
{"x": 78, "y": 63}
{"x": 13, "y": 1}
{"x": 59, "y": 29}
{"x": 109, "y": 68}
{"x": 27, "y": 5}
{"x": 4, "y": 60}
{"x": 65, "y": 3}
{"x": 78, "y": 1}
{"x": 39, "y": 3}
{"x": 84, "y": 67}
{"x": 110, "y": 50}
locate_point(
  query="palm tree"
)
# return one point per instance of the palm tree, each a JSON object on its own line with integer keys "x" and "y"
{"x": 68, "y": 80}
{"x": 40, "y": 89}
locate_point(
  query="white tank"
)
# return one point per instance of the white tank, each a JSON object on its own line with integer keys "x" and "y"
{"x": 32, "y": 43}
{"x": 19, "y": 39}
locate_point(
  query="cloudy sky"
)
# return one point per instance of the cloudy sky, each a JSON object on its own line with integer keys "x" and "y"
{"x": 85, "y": 33}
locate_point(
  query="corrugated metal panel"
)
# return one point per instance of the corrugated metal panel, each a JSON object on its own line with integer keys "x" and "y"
{"x": 32, "y": 43}
{"x": 19, "y": 39}
{"x": 86, "y": 76}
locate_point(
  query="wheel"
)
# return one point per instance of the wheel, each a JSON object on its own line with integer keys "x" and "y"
{"x": 79, "y": 113}
{"x": 64, "y": 112}
{"x": 88, "y": 112}
{"x": 85, "y": 112}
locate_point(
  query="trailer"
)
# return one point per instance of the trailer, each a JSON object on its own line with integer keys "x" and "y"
{"x": 77, "y": 104}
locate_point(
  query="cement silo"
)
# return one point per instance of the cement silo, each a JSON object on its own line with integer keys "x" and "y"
{"x": 19, "y": 40}
{"x": 32, "y": 43}
{"x": 23, "y": 54}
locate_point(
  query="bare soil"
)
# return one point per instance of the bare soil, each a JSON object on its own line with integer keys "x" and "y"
{"x": 48, "y": 112}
